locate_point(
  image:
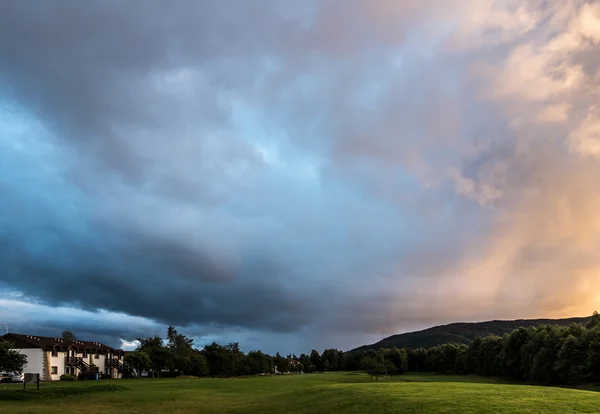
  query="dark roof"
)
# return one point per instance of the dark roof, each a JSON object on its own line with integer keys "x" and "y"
{"x": 48, "y": 342}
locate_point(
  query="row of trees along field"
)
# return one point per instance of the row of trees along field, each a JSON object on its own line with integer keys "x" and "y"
{"x": 177, "y": 353}
{"x": 551, "y": 355}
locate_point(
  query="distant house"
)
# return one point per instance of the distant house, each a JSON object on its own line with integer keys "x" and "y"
{"x": 52, "y": 357}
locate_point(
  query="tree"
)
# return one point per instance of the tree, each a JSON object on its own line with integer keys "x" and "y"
{"x": 545, "y": 360}
{"x": 510, "y": 358}
{"x": 306, "y": 363}
{"x": 594, "y": 321}
{"x": 11, "y": 360}
{"x": 570, "y": 363}
{"x": 375, "y": 366}
{"x": 260, "y": 363}
{"x": 461, "y": 364}
{"x": 225, "y": 360}
{"x": 417, "y": 359}
{"x": 181, "y": 346}
{"x": 593, "y": 354}
{"x": 341, "y": 361}
{"x": 160, "y": 356}
{"x": 315, "y": 359}
{"x": 331, "y": 360}
{"x": 198, "y": 365}
{"x": 233, "y": 359}
{"x": 399, "y": 358}
{"x": 138, "y": 361}
{"x": 68, "y": 336}
{"x": 367, "y": 364}
{"x": 282, "y": 363}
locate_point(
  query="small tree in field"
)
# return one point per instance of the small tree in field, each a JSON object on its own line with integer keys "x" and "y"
{"x": 375, "y": 367}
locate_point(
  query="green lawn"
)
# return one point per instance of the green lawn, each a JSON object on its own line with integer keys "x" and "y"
{"x": 313, "y": 393}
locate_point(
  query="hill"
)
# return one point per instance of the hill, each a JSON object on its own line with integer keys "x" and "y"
{"x": 462, "y": 332}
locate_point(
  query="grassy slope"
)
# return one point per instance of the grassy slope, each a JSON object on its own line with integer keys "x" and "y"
{"x": 463, "y": 332}
{"x": 317, "y": 393}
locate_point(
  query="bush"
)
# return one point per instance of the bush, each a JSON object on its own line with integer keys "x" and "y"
{"x": 67, "y": 377}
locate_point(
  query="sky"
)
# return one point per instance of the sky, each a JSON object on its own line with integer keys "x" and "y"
{"x": 300, "y": 174}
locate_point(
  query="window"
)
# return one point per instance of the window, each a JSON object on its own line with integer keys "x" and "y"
{"x": 54, "y": 370}
{"x": 54, "y": 353}
{"x": 97, "y": 356}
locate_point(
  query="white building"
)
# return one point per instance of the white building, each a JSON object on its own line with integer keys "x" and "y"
{"x": 52, "y": 357}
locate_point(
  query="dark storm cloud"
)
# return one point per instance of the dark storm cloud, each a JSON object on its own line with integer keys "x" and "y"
{"x": 157, "y": 279}
{"x": 84, "y": 67}
{"x": 86, "y": 70}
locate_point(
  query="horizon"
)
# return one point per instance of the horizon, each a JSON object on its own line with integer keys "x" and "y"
{"x": 130, "y": 345}
{"x": 307, "y": 175}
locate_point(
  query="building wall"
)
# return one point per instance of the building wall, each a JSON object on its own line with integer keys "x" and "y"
{"x": 35, "y": 361}
{"x": 99, "y": 363}
{"x": 58, "y": 362}
{"x": 90, "y": 359}
{"x": 112, "y": 371}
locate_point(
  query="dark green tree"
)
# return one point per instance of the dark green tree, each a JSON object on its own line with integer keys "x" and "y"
{"x": 549, "y": 341}
{"x": 224, "y": 361}
{"x": 510, "y": 357}
{"x": 306, "y": 362}
{"x": 68, "y": 335}
{"x": 315, "y": 359}
{"x": 594, "y": 321}
{"x": 331, "y": 358}
{"x": 282, "y": 363}
{"x": 399, "y": 358}
{"x": 137, "y": 361}
{"x": 181, "y": 346}
{"x": 592, "y": 359}
{"x": 11, "y": 360}
{"x": 375, "y": 366}
{"x": 161, "y": 358}
{"x": 198, "y": 365}
{"x": 259, "y": 362}
{"x": 570, "y": 362}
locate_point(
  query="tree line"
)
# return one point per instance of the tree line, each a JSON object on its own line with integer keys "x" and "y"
{"x": 176, "y": 352}
{"x": 549, "y": 355}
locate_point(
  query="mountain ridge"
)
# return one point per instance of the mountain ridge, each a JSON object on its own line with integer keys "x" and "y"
{"x": 463, "y": 332}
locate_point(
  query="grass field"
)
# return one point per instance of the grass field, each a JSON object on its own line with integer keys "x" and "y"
{"x": 313, "y": 393}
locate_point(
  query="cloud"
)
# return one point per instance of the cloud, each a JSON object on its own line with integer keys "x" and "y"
{"x": 308, "y": 174}
{"x": 585, "y": 138}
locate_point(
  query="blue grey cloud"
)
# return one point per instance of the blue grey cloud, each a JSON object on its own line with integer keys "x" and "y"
{"x": 313, "y": 174}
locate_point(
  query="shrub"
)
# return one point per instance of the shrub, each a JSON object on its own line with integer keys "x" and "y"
{"x": 67, "y": 377}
